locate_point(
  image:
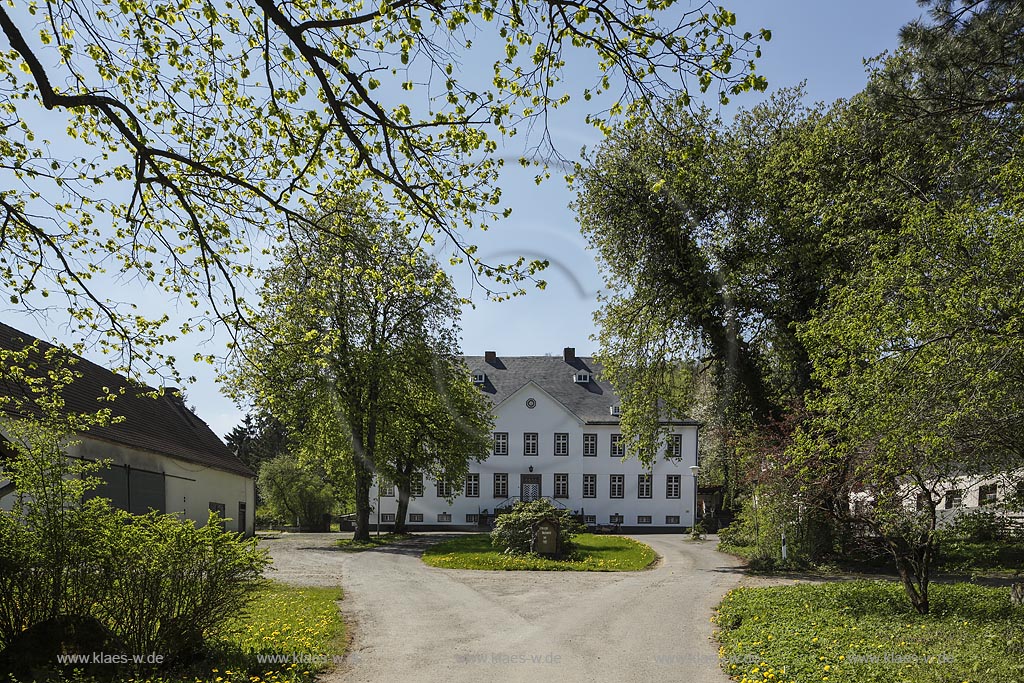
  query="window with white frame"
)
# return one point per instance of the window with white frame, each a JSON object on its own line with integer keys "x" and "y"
{"x": 415, "y": 516}
{"x": 617, "y": 486}
{"x": 416, "y": 486}
{"x": 590, "y": 486}
{"x": 954, "y": 498}
{"x": 530, "y": 443}
{"x": 673, "y": 485}
{"x": 472, "y": 485}
{"x": 590, "y": 445}
{"x": 444, "y": 516}
{"x": 501, "y": 485}
{"x": 643, "y": 486}
{"x": 471, "y": 518}
{"x": 643, "y": 519}
{"x": 590, "y": 519}
{"x": 386, "y": 489}
{"x": 444, "y": 489}
{"x": 561, "y": 444}
{"x": 387, "y": 517}
{"x": 671, "y": 519}
{"x": 674, "y": 449}
{"x": 618, "y": 449}
{"x": 615, "y": 519}
{"x": 501, "y": 443}
{"x": 561, "y": 485}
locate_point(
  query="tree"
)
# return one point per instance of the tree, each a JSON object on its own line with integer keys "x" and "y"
{"x": 328, "y": 350}
{"x": 258, "y": 438}
{"x": 294, "y": 493}
{"x": 850, "y": 273}
{"x": 205, "y": 122}
{"x": 965, "y": 61}
{"x": 439, "y": 422}
{"x": 711, "y": 256}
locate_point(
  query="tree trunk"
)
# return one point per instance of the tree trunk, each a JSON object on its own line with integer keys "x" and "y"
{"x": 364, "y": 481}
{"x": 915, "y": 585}
{"x": 362, "y": 464}
{"x": 403, "y": 509}
{"x": 1017, "y": 594}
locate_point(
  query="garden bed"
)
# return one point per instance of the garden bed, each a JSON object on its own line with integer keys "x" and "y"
{"x": 593, "y": 553}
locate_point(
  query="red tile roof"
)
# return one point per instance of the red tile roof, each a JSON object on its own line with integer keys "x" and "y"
{"x": 161, "y": 425}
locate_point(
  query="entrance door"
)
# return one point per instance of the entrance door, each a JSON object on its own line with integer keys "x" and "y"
{"x": 529, "y": 486}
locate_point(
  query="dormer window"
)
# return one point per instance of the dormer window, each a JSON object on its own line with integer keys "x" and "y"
{"x": 581, "y": 378}
{"x": 615, "y": 411}
{"x": 479, "y": 378}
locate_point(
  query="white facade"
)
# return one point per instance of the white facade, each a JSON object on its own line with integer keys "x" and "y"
{"x": 139, "y": 480}
{"x": 603, "y": 487}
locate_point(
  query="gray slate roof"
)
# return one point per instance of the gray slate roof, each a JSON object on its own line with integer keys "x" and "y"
{"x": 590, "y": 402}
{"x": 160, "y": 425}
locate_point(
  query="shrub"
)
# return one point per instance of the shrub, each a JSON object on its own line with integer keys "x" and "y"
{"x": 513, "y": 530}
{"x": 178, "y": 583}
{"x": 977, "y": 526}
{"x": 48, "y": 571}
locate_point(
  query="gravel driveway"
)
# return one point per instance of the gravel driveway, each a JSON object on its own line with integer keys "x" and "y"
{"x": 411, "y": 622}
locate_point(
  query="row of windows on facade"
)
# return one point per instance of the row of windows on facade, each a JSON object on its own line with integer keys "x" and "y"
{"x": 616, "y": 486}
{"x": 531, "y": 442}
{"x": 472, "y": 518}
{"x": 987, "y": 495}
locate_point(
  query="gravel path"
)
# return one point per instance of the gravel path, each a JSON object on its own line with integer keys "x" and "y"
{"x": 420, "y": 623}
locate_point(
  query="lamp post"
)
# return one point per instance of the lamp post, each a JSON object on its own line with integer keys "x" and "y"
{"x": 693, "y": 472}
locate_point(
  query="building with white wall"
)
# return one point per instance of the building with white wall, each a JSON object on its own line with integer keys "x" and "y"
{"x": 556, "y": 436}
{"x": 161, "y": 455}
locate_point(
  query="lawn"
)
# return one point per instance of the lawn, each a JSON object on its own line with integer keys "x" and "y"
{"x": 353, "y": 546}
{"x": 865, "y": 631}
{"x": 593, "y": 554}
{"x": 283, "y": 621}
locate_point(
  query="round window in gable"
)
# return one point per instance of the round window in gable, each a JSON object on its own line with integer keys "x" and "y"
{"x": 531, "y": 403}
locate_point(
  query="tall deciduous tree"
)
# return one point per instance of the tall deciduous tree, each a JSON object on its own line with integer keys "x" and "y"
{"x": 329, "y": 350}
{"x": 439, "y": 422}
{"x": 863, "y": 261}
{"x": 710, "y": 253}
{"x": 205, "y": 121}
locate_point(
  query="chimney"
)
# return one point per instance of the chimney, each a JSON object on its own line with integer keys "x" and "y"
{"x": 569, "y": 354}
{"x": 490, "y": 356}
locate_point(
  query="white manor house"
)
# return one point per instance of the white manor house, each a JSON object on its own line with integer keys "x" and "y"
{"x": 556, "y": 436}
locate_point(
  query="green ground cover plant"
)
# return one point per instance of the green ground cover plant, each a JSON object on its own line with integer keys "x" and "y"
{"x": 592, "y": 553}
{"x": 866, "y": 631}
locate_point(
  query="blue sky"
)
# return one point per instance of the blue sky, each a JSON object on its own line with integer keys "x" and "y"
{"x": 822, "y": 42}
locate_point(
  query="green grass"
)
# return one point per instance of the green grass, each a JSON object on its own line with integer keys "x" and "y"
{"x": 283, "y": 620}
{"x": 865, "y": 631}
{"x": 354, "y": 546}
{"x": 593, "y": 554}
